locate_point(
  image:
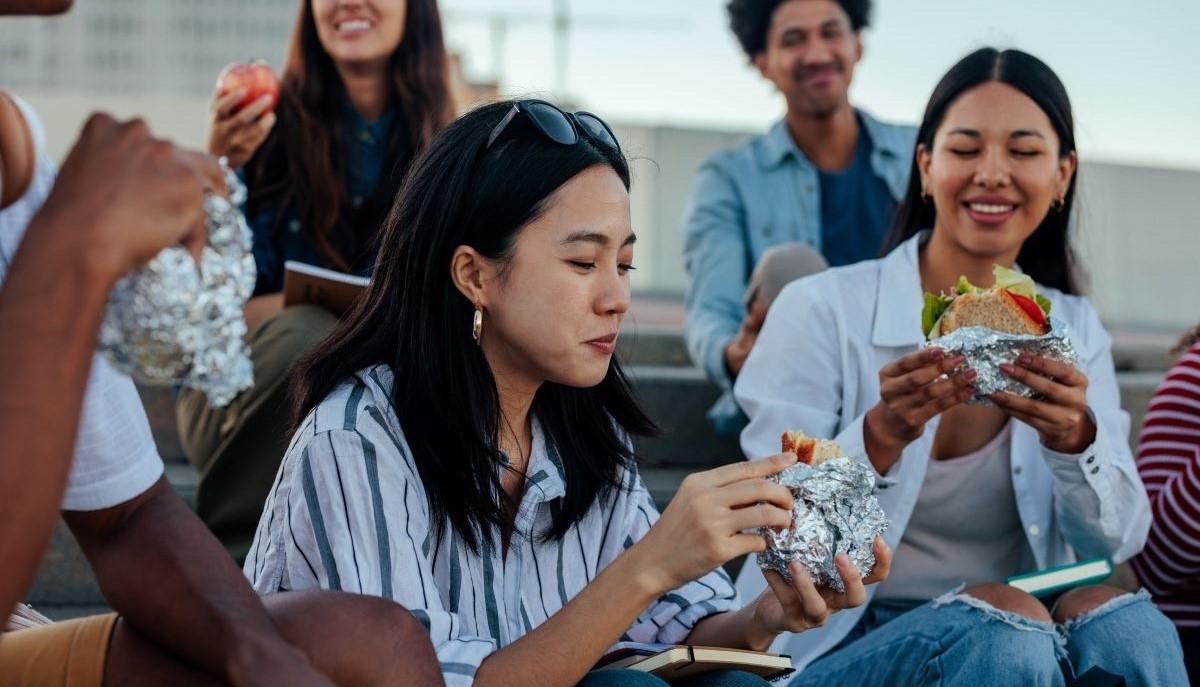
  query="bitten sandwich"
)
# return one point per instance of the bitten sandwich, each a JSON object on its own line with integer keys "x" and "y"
{"x": 810, "y": 451}
{"x": 1012, "y": 306}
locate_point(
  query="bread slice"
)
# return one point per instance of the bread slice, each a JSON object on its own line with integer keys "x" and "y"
{"x": 993, "y": 309}
{"x": 809, "y": 450}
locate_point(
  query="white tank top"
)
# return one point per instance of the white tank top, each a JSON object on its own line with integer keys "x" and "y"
{"x": 965, "y": 527}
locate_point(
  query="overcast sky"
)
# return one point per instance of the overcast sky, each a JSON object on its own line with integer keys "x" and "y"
{"x": 1132, "y": 68}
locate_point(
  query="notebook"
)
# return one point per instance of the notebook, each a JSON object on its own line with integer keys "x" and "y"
{"x": 676, "y": 662}
{"x": 305, "y": 284}
{"x": 1051, "y": 581}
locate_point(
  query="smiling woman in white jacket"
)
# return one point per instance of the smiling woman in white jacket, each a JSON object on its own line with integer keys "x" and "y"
{"x": 974, "y": 493}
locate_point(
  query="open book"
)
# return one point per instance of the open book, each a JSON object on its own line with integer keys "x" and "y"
{"x": 1061, "y": 578}
{"x": 305, "y": 284}
{"x": 676, "y": 662}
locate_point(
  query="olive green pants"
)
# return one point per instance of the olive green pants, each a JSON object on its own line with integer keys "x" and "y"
{"x": 237, "y": 449}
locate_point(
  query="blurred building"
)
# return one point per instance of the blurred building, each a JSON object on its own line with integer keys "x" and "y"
{"x": 142, "y": 47}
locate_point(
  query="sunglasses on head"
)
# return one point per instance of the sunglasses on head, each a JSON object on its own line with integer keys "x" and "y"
{"x": 556, "y": 125}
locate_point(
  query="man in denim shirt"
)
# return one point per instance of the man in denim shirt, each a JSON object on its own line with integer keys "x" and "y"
{"x": 819, "y": 188}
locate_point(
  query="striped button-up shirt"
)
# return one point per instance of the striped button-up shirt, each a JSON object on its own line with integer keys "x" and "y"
{"x": 348, "y": 511}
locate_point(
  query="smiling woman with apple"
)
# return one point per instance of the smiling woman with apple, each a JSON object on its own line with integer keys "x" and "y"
{"x": 364, "y": 89}
{"x": 975, "y": 493}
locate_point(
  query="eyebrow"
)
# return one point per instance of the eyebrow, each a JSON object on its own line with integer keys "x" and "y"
{"x": 1019, "y": 133}
{"x": 595, "y": 237}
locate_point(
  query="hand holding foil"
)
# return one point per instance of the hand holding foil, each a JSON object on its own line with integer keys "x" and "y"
{"x": 1059, "y": 410}
{"x": 985, "y": 350}
{"x": 834, "y": 512}
{"x": 174, "y": 321}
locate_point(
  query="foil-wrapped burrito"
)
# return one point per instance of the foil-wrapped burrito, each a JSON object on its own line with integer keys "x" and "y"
{"x": 986, "y": 349}
{"x": 174, "y": 322}
{"x": 834, "y": 511}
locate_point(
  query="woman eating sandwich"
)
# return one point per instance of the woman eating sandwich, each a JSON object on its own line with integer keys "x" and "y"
{"x": 464, "y": 435}
{"x": 975, "y": 493}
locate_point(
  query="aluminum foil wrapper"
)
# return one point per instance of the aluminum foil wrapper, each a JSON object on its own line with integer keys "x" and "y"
{"x": 835, "y": 511}
{"x": 169, "y": 323}
{"x": 985, "y": 349}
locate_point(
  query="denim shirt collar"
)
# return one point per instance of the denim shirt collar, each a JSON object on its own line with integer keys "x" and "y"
{"x": 779, "y": 144}
{"x": 360, "y": 129}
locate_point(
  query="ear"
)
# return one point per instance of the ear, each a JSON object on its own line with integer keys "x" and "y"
{"x": 858, "y": 46}
{"x": 470, "y": 271}
{"x": 924, "y": 160}
{"x": 760, "y": 63}
{"x": 1066, "y": 172}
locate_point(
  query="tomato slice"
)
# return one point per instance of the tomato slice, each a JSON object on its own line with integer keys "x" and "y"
{"x": 1030, "y": 307}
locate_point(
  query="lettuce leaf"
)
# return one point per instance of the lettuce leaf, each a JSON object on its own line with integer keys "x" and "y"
{"x": 965, "y": 286}
{"x": 1010, "y": 280}
{"x": 1043, "y": 303}
{"x": 935, "y": 305}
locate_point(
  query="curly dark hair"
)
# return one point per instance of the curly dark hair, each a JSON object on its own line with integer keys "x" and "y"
{"x": 749, "y": 20}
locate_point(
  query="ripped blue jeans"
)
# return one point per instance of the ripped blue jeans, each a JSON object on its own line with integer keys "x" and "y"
{"x": 960, "y": 640}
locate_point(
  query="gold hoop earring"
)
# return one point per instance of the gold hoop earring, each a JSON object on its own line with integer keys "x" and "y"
{"x": 925, "y": 197}
{"x": 1060, "y": 203}
{"x": 477, "y": 324}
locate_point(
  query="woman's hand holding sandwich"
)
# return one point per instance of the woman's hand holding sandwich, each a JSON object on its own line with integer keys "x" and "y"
{"x": 912, "y": 389}
{"x": 1060, "y": 416}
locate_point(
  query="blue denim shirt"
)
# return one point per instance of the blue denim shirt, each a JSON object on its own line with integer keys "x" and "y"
{"x": 747, "y": 200}
{"x": 365, "y": 149}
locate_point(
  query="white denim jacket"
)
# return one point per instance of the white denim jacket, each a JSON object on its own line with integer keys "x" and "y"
{"x": 815, "y": 367}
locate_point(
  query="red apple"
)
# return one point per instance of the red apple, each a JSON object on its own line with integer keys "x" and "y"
{"x": 255, "y": 78}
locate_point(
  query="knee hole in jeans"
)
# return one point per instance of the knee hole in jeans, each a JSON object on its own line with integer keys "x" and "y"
{"x": 1011, "y": 599}
{"x": 1079, "y": 601}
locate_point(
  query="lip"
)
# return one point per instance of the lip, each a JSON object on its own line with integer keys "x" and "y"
{"x": 819, "y": 77}
{"x": 605, "y": 344}
{"x": 990, "y": 210}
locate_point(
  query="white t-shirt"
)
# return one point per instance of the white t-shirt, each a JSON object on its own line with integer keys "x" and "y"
{"x": 115, "y": 457}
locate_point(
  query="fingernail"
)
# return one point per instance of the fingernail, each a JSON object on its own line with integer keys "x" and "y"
{"x": 1024, "y": 359}
{"x": 959, "y": 359}
{"x": 1007, "y": 368}
{"x": 789, "y": 458}
{"x": 936, "y": 354}
{"x": 842, "y": 560}
{"x": 970, "y": 375}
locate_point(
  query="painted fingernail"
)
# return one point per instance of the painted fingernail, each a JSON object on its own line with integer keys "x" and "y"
{"x": 1024, "y": 359}
{"x": 958, "y": 359}
{"x": 1007, "y": 368}
{"x": 936, "y": 354}
{"x": 970, "y": 375}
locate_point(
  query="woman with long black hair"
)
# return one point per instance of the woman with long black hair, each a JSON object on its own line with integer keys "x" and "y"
{"x": 975, "y": 493}
{"x": 364, "y": 90}
{"x": 464, "y": 436}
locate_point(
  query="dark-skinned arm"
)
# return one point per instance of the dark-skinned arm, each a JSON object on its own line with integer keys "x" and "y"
{"x": 152, "y": 553}
{"x": 50, "y": 309}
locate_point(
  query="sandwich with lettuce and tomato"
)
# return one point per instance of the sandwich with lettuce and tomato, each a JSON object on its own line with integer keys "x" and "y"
{"x": 1011, "y": 306}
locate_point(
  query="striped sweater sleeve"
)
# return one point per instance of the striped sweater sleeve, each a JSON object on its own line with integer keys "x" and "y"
{"x": 670, "y": 619}
{"x": 1169, "y": 464}
{"x": 357, "y": 521}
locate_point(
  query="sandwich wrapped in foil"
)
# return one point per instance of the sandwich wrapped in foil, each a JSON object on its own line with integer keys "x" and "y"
{"x": 170, "y": 323}
{"x": 986, "y": 349}
{"x": 835, "y": 511}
